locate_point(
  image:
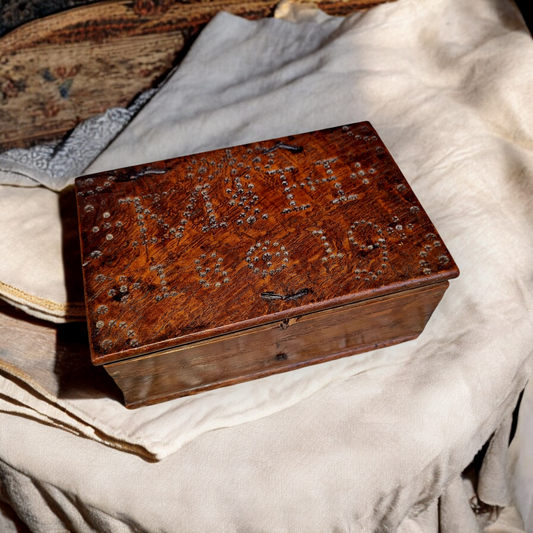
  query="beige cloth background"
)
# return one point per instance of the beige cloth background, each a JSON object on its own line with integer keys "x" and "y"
{"x": 363, "y": 444}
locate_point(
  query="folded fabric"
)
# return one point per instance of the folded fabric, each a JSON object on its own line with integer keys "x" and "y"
{"x": 360, "y": 455}
{"x": 46, "y": 373}
{"x": 447, "y": 85}
{"x": 40, "y": 266}
{"x": 39, "y": 243}
{"x": 54, "y": 165}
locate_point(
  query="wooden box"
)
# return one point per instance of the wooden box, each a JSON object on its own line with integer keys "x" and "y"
{"x": 221, "y": 267}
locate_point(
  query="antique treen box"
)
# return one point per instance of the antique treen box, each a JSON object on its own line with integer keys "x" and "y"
{"x": 225, "y": 266}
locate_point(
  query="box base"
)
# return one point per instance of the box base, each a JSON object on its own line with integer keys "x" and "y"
{"x": 278, "y": 347}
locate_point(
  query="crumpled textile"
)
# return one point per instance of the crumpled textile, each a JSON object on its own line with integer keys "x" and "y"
{"x": 366, "y": 443}
{"x": 40, "y": 271}
{"x": 55, "y": 165}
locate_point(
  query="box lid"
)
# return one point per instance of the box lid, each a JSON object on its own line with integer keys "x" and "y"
{"x": 185, "y": 249}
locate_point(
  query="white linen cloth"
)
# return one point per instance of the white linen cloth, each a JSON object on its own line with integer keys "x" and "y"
{"x": 368, "y": 443}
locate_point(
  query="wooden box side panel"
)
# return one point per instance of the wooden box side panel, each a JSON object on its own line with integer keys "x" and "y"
{"x": 275, "y": 348}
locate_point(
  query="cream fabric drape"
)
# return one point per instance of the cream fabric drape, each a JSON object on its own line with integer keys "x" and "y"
{"x": 362, "y": 444}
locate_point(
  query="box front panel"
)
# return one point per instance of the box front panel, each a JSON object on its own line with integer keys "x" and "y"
{"x": 275, "y": 348}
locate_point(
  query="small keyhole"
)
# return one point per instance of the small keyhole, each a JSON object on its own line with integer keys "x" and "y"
{"x": 282, "y": 356}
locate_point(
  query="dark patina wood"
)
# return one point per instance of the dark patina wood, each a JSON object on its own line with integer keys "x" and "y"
{"x": 197, "y": 262}
{"x": 64, "y": 68}
{"x": 277, "y": 347}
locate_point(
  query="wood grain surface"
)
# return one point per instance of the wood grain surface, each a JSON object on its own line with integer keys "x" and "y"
{"x": 52, "y": 360}
{"x": 191, "y": 248}
{"x": 274, "y": 348}
{"x": 62, "y": 69}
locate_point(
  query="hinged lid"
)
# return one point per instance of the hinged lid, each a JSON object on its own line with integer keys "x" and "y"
{"x": 194, "y": 247}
